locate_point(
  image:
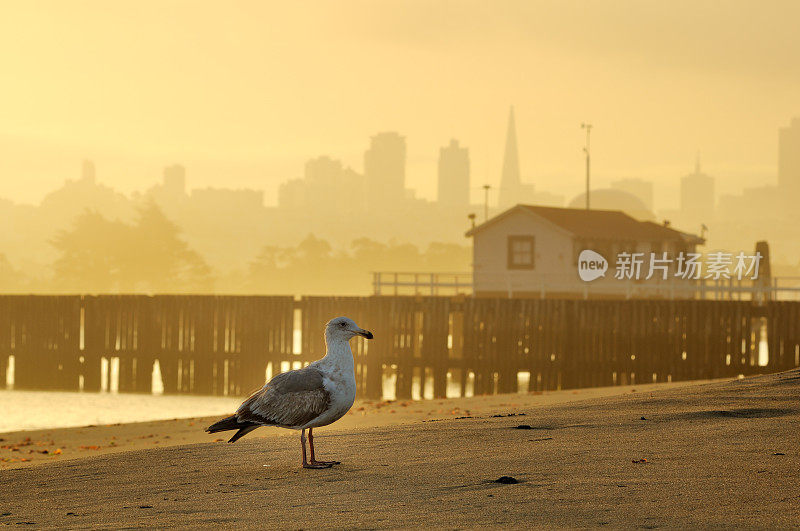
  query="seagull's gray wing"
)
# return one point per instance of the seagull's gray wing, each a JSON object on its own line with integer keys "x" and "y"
{"x": 290, "y": 399}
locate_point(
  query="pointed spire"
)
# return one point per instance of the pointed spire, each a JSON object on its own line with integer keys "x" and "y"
{"x": 510, "y": 179}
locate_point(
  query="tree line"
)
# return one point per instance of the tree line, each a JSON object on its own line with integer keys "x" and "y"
{"x": 149, "y": 255}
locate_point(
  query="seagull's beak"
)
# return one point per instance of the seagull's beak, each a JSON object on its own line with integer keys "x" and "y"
{"x": 364, "y": 333}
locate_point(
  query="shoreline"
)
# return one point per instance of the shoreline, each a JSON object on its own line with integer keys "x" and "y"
{"x": 31, "y": 410}
{"x": 24, "y": 448}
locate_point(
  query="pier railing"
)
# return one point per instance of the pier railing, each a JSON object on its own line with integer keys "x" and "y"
{"x": 226, "y": 345}
{"x": 555, "y": 286}
{"x": 420, "y": 283}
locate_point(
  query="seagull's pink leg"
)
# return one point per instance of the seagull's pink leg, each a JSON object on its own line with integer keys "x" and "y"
{"x": 312, "y": 464}
{"x": 314, "y": 461}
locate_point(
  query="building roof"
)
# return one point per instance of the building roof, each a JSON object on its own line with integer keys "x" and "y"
{"x": 598, "y": 224}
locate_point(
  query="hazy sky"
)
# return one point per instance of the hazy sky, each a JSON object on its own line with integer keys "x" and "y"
{"x": 242, "y": 93}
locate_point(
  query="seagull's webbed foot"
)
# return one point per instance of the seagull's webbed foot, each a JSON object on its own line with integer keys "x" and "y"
{"x": 317, "y": 464}
{"x": 328, "y": 463}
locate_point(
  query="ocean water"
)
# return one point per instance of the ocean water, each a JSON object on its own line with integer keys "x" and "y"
{"x": 30, "y": 410}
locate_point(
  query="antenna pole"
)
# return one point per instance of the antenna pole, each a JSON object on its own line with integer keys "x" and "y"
{"x": 588, "y": 128}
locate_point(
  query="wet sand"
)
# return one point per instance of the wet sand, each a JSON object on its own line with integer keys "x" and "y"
{"x": 722, "y": 454}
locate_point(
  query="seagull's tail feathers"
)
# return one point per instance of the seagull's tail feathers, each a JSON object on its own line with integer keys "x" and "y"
{"x": 242, "y": 432}
{"x": 233, "y": 423}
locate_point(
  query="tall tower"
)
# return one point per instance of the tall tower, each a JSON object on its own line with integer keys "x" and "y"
{"x": 789, "y": 160}
{"x": 385, "y": 169}
{"x": 697, "y": 195}
{"x": 454, "y": 175}
{"x": 510, "y": 183}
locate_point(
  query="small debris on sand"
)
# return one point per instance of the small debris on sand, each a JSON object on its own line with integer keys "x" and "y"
{"x": 506, "y": 480}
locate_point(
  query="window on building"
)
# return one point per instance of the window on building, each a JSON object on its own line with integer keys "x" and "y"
{"x": 520, "y": 252}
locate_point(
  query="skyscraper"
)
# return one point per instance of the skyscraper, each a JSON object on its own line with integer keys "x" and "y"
{"x": 385, "y": 169}
{"x": 697, "y": 196}
{"x": 512, "y": 190}
{"x": 789, "y": 160}
{"x": 510, "y": 181}
{"x": 454, "y": 175}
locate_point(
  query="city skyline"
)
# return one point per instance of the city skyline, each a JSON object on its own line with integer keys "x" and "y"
{"x": 429, "y": 71}
{"x": 272, "y": 193}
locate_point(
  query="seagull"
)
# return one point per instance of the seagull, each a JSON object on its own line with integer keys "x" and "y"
{"x": 316, "y": 395}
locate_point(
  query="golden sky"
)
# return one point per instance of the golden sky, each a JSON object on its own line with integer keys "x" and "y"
{"x": 242, "y": 93}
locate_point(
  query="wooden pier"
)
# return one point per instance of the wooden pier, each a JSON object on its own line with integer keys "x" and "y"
{"x": 223, "y": 345}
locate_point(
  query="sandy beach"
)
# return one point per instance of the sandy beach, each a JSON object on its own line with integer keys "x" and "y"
{"x": 32, "y": 447}
{"x": 724, "y": 453}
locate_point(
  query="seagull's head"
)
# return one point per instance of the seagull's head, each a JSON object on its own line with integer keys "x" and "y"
{"x": 344, "y": 328}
